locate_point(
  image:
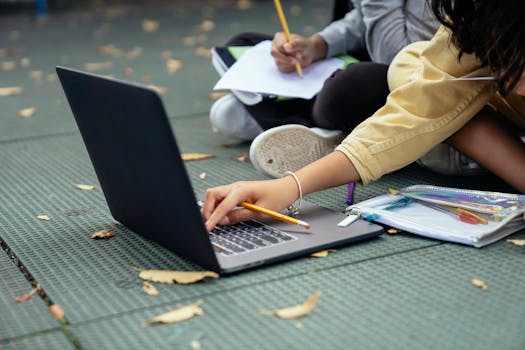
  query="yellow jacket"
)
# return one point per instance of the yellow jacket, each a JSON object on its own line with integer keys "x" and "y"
{"x": 424, "y": 107}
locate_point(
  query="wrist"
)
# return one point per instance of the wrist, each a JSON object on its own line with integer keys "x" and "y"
{"x": 320, "y": 47}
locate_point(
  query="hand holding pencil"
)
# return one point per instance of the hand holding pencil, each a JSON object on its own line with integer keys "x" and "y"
{"x": 286, "y": 31}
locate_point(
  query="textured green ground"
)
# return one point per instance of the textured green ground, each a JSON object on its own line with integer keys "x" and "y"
{"x": 395, "y": 292}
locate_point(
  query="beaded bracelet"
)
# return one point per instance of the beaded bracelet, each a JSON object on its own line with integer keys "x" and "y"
{"x": 295, "y": 210}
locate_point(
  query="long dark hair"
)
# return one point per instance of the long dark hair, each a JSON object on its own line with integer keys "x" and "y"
{"x": 494, "y": 31}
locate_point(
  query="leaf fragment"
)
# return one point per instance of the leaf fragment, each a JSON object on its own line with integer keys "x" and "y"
{"x": 196, "y": 156}
{"x": 172, "y": 276}
{"x": 103, "y": 234}
{"x": 150, "y": 26}
{"x": 9, "y": 91}
{"x": 36, "y": 74}
{"x": 203, "y": 52}
{"x": 195, "y": 345}
{"x": 202, "y": 175}
{"x": 149, "y": 289}
{"x": 476, "y": 282}
{"x": 296, "y": 311}
{"x": 518, "y": 242}
{"x": 85, "y": 187}
{"x": 177, "y": 315}
{"x": 243, "y": 158}
{"x": 7, "y": 65}
{"x": 161, "y": 90}
{"x": 322, "y": 253}
{"x": 173, "y": 65}
{"x": 27, "y": 112}
{"x": 56, "y": 311}
{"x": 96, "y": 66}
{"x": 393, "y": 231}
{"x": 207, "y": 25}
{"x": 217, "y": 95}
{"x": 28, "y": 295}
{"x": 43, "y": 217}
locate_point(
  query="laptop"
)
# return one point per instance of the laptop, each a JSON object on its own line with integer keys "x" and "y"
{"x": 144, "y": 180}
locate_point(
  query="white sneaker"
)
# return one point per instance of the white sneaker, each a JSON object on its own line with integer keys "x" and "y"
{"x": 291, "y": 147}
{"x": 229, "y": 117}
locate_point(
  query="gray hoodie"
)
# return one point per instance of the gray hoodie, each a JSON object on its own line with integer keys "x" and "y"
{"x": 381, "y": 27}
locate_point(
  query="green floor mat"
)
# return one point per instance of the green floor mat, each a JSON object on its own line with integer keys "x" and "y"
{"x": 416, "y": 300}
{"x": 47, "y": 341}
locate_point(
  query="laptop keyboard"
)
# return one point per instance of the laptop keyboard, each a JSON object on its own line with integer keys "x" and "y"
{"x": 246, "y": 236}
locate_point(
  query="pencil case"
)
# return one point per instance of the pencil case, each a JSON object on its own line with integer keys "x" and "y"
{"x": 441, "y": 212}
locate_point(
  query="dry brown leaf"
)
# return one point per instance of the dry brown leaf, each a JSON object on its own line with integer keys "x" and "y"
{"x": 51, "y": 77}
{"x": 8, "y": 65}
{"x": 207, "y": 25}
{"x": 149, "y": 289}
{"x": 189, "y": 40}
{"x": 297, "y": 311}
{"x": 9, "y": 91}
{"x": 161, "y": 90}
{"x": 244, "y": 4}
{"x": 85, "y": 187}
{"x": 27, "y": 112}
{"x": 150, "y": 26}
{"x": 177, "y": 315}
{"x": 36, "y": 74}
{"x": 217, "y": 95}
{"x": 171, "y": 276}
{"x": 202, "y": 175}
{"x": 96, "y": 66}
{"x": 173, "y": 65}
{"x": 518, "y": 242}
{"x": 57, "y": 311}
{"x": 103, "y": 234}
{"x": 479, "y": 283}
{"x": 147, "y": 79}
{"x": 25, "y": 62}
{"x": 195, "y": 345}
{"x": 322, "y": 253}
{"x": 203, "y": 52}
{"x": 134, "y": 53}
{"x": 243, "y": 158}
{"x": 196, "y": 156}
{"x": 127, "y": 71}
{"x": 43, "y": 217}
{"x": 393, "y": 231}
{"x": 295, "y": 10}
{"x": 28, "y": 295}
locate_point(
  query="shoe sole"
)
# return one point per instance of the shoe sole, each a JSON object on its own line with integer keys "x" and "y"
{"x": 289, "y": 148}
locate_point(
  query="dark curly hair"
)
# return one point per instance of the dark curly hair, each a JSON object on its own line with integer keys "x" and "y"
{"x": 494, "y": 31}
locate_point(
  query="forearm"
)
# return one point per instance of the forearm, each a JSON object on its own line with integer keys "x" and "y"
{"x": 333, "y": 170}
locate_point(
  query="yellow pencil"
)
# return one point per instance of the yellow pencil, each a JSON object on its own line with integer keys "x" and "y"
{"x": 274, "y": 214}
{"x": 280, "y": 13}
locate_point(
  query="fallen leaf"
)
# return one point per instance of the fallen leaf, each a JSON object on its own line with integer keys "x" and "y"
{"x": 148, "y": 79}
{"x": 57, "y": 311}
{"x": 36, "y": 74}
{"x": 195, "y": 345}
{"x": 196, "y": 156}
{"x": 127, "y": 71}
{"x": 43, "y": 217}
{"x": 171, "y": 276}
{"x": 25, "y": 62}
{"x": 103, "y": 234}
{"x": 244, "y": 4}
{"x": 109, "y": 50}
{"x": 202, "y": 175}
{"x": 479, "y": 283}
{"x": 149, "y": 289}
{"x": 518, "y": 242}
{"x": 9, "y": 91}
{"x": 51, "y": 77}
{"x": 8, "y": 65}
{"x": 299, "y": 325}
{"x": 27, "y": 112}
{"x": 28, "y": 295}
{"x": 207, "y": 25}
{"x": 243, "y": 158}
{"x": 96, "y": 66}
{"x": 393, "y": 231}
{"x": 203, "y": 52}
{"x": 178, "y": 314}
{"x": 85, "y": 187}
{"x": 166, "y": 55}
{"x": 297, "y": 311}
{"x": 217, "y": 95}
{"x": 134, "y": 53}
{"x": 189, "y": 40}
{"x": 161, "y": 90}
{"x": 295, "y": 10}
{"x": 150, "y": 26}
{"x": 322, "y": 253}
{"x": 173, "y": 65}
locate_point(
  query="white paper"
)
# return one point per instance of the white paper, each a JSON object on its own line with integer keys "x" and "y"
{"x": 256, "y": 71}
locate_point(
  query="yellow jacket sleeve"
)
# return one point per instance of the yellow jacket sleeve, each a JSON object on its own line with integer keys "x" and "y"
{"x": 424, "y": 108}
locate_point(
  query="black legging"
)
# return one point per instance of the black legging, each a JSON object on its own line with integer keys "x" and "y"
{"x": 347, "y": 98}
